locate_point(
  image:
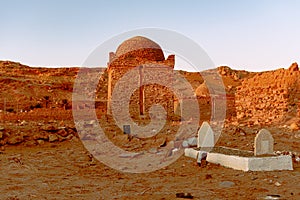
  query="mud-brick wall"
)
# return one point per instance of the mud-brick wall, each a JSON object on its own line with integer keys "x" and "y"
{"x": 269, "y": 97}
{"x": 126, "y": 71}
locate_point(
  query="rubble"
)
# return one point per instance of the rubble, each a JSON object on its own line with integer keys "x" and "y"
{"x": 268, "y": 97}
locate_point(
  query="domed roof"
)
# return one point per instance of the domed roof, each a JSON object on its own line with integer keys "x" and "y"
{"x": 140, "y": 47}
{"x": 202, "y": 90}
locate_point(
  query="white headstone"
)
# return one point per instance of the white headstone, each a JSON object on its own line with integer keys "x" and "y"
{"x": 205, "y": 136}
{"x": 263, "y": 143}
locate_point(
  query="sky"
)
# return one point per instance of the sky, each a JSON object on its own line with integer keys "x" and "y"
{"x": 253, "y": 35}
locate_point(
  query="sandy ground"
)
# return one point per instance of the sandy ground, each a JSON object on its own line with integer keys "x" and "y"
{"x": 65, "y": 170}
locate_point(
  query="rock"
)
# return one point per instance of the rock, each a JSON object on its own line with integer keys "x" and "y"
{"x": 63, "y": 133}
{"x": 60, "y": 138}
{"x": 69, "y": 137}
{"x": 163, "y": 144}
{"x": 40, "y": 142}
{"x": 23, "y": 123}
{"x": 53, "y": 138}
{"x": 92, "y": 122}
{"x": 29, "y": 143}
{"x": 192, "y": 142}
{"x": 226, "y": 184}
{"x": 239, "y": 131}
{"x": 184, "y": 195}
{"x": 185, "y": 144}
{"x": 277, "y": 184}
{"x": 1, "y": 134}
{"x": 174, "y": 150}
{"x": 49, "y": 128}
{"x": 3, "y": 142}
{"x": 2, "y": 128}
{"x": 208, "y": 176}
{"x": 40, "y": 136}
{"x": 15, "y": 139}
{"x": 294, "y": 126}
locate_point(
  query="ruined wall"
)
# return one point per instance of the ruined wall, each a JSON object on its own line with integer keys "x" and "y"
{"x": 269, "y": 97}
{"x": 136, "y": 62}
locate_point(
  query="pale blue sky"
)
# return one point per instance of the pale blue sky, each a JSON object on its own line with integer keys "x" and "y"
{"x": 254, "y": 35}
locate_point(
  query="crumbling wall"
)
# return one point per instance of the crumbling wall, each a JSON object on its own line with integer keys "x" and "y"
{"x": 269, "y": 97}
{"x": 120, "y": 65}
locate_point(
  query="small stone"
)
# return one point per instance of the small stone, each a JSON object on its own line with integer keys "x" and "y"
{"x": 192, "y": 142}
{"x": 60, "y": 138}
{"x": 294, "y": 127}
{"x": 2, "y": 128}
{"x": 53, "y": 138}
{"x": 69, "y": 137}
{"x": 164, "y": 143}
{"x": 174, "y": 150}
{"x": 15, "y": 139}
{"x": 277, "y": 184}
{"x": 40, "y": 142}
{"x": 1, "y": 135}
{"x": 23, "y": 123}
{"x": 270, "y": 181}
{"x": 29, "y": 143}
{"x": 92, "y": 122}
{"x": 49, "y": 128}
{"x": 184, "y": 195}
{"x": 208, "y": 176}
{"x": 40, "y": 136}
{"x": 63, "y": 133}
{"x": 185, "y": 144}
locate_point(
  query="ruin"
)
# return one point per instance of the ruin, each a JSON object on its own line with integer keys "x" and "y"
{"x": 269, "y": 97}
{"x": 136, "y": 53}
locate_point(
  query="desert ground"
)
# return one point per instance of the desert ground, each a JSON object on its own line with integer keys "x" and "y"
{"x": 42, "y": 156}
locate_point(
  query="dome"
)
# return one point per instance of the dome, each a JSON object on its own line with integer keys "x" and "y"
{"x": 140, "y": 47}
{"x": 202, "y": 90}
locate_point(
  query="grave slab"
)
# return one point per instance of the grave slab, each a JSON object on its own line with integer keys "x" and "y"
{"x": 251, "y": 163}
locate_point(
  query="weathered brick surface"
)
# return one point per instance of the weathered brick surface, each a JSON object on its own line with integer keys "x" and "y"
{"x": 136, "y": 54}
{"x": 270, "y": 96}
